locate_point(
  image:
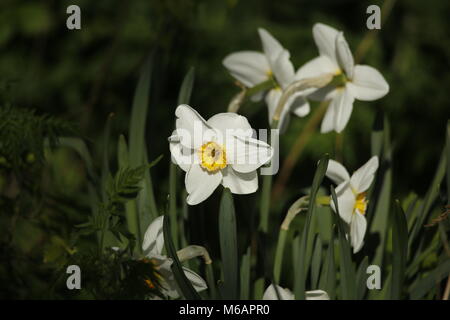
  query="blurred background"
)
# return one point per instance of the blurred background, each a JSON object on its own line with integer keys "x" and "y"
{"x": 84, "y": 75}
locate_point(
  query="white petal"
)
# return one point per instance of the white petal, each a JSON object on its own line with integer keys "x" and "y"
{"x": 343, "y": 106}
{"x": 283, "y": 69}
{"x": 272, "y": 98}
{"x": 191, "y": 127}
{"x": 358, "y": 228}
{"x": 154, "y": 238}
{"x": 328, "y": 120}
{"x": 337, "y": 172}
{"x": 249, "y": 67}
{"x": 300, "y": 107}
{"x": 367, "y": 83}
{"x": 346, "y": 201}
{"x": 271, "y": 294}
{"x": 317, "y": 295}
{"x": 325, "y": 39}
{"x": 362, "y": 178}
{"x": 296, "y": 104}
{"x": 271, "y": 47}
{"x": 240, "y": 183}
{"x": 197, "y": 282}
{"x": 316, "y": 67}
{"x": 181, "y": 156}
{"x": 247, "y": 154}
{"x": 231, "y": 123}
{"x": 344, "y": 55}
{"x": 200, "y": 184}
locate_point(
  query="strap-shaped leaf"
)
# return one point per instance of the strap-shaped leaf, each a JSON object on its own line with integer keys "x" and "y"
{"x": 186, "y": 288}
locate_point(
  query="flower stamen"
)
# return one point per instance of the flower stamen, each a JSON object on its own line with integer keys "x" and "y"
{"x": 212, "y": 156}
{"x": 361, "y": 203}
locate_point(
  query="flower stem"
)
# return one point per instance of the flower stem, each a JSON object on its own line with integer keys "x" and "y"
{"x": 173, "y": 203}
{"x": 279, "y": 255}
{"x": 265, "y": 203}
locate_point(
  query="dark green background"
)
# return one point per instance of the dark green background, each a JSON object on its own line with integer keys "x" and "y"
{"x": 84, "y": 75}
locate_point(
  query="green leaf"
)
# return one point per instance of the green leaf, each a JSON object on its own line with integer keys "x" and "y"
{"x": 183, "y": 98}
{"x": 423, "y": 286}
{"x": 137, "y": 150}
{"x": 316, "y": 263}
{"x": 429, "y": 200}
{"x": 301, "y": 263}
{"x": 228, "y": 246}
{"x": 361, "y": 278}
{"x": 400, "y": 250}
{"x": 380, "y": 193}
{"x": 347, "y": 270}
{"x": 328, "y": 277}
{"x": 186, "y": 288}
{"x": 245, "y": 275}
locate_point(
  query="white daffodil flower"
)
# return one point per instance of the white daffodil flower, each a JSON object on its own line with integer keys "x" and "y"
{"x": 360, "y": 82}
{"x": 286, "y": 294}
{"x": 351, "y": 196}
{"x": 218, "y": 151}
{"x": 152, "y": 246}
{"x": 252, "y": 68}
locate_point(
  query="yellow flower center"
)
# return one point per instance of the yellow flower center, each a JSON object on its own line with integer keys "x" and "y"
{"x": 361, "y": 203}
{"x": 212, "y": 156}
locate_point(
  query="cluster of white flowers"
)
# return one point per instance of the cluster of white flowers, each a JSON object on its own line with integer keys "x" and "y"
{"x": 224, "y": 150}
{"x": 359, "y": 82}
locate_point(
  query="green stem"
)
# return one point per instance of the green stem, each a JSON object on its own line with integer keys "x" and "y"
{"x": 279, "y": 255}
{"x": 173, "y": 203}
{"x": 211, "y": 281}
{"x": 265, "y": 203}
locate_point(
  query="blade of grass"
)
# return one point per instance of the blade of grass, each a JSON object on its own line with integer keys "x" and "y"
{"x": 183, "y": 98}
{"x": 228, "y": 246}
{"x": 245, "y": 276}
{"x": 316, "y": 263}
{"x": 361, "y": 278}
{"x": 346, "y": 266}
{"x": 137, "y": 147}
{"x": 328, "y": 277}
{"x": 183, "y": 282}
{"x": 400, "y": 250}
{"x": 301, "y": 263}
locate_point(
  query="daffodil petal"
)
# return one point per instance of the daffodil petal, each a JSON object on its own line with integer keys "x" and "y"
{"x": 316, "y": 67}
{"x": 368, "y": 84}
{"x": 271, "y": 47}
{"x": 154, "y": 238}
{"x": 325, "y": 39}
{"x": 317, "y": 295}
{"x": 240, "y": 183}
{"x": 346, "y": 201}
{"x": 249, "y": 67}
{"x": 283, "y": 69}
{"x": 247, "y": 154}
{"x": 328, "y": 120}
{"x": 300, "y": 106}
{"x": 231, "y": 123}
{"x": 358, "y": 228}
{"x": 344, "y": 55}
{"x": 200, "y": 184}
{"x": 198, "y": 282}
{"x": 191, "y": 128}
{"x": 343, "y": 106}
{"x": 337, "y": 172}
{"x": 182, "y": 156}
{"x": 362, "y": 178}
{"x": 271, "y": 293}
